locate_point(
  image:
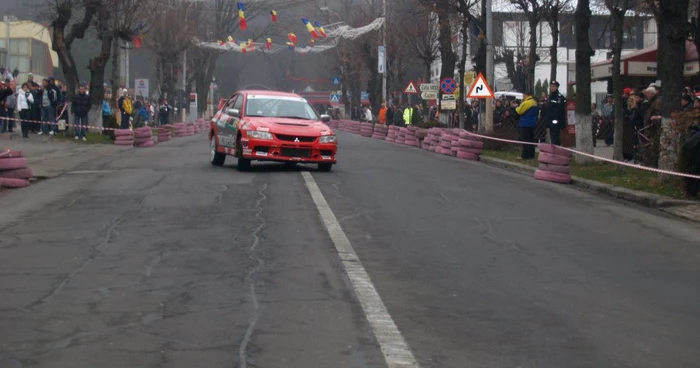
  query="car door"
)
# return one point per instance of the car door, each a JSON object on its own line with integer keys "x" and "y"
{"x": 226, "y": 124}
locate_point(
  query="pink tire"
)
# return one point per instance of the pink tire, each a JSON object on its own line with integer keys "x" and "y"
{"x": 10, "y": 154}
{"x": 148, "y": 143}
{"x": 471, "y": 144}
{"x": 552, "y": 176}
{"x": 476, "y": 151}
{"x": 555, "y": 168}
{"x": 124, "y": 143}
{"x": 13, "y": 163}
{"x": 13, "y": 183}
{"x": 549, "y": 158}
{"x": 467, "y": 155}
{"x": 555, "y": 150}
{"x": 141, "y": 135}
{"x": 468, "y": 136}
{"x": 445, "y": 144}
{"x": 25, "y": 173}
{"x": 140, "y": 141}
{"x": 122, "y": 132}
{"x": 142, "y": 129}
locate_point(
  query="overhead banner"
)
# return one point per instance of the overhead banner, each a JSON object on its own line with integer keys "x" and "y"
{"x": 381, "y": 60}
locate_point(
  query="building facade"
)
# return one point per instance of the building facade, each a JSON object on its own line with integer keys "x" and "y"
{"x": 26, "y": 45}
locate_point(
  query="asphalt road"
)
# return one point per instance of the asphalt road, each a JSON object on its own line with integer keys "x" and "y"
{"x": 154, "y": 258}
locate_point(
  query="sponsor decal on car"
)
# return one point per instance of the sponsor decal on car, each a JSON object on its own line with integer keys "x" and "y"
{"x": 325, "y": 132}
{"x": 247, "y": 151}
{"x": 263, "y": 129}
{"x": 326, "y": 157}
{"x": 259, "y": 153}
{"x": 227, "y": 141}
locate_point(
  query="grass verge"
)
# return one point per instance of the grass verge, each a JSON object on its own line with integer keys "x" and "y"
{"x": 92, "y": 138}
{"x": 603, "y": 172}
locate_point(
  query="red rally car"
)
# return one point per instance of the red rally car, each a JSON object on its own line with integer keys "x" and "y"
{"x": 271, "y": 126}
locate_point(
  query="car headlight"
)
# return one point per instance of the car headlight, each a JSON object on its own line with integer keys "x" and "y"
{"x": 258, "y": 135}
{"x": 328, "y": 139}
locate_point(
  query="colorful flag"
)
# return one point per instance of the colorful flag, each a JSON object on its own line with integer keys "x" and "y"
{"x": 320, "y": 29}
{"x": 312, "y": 42}
{"x": 243, "y": 47}
{"x": 268, "y": 44}
{"x": 290, "y": 45}
{"x": 251, "y": 44}
{"x": 230, "y": 39}
{"x": 220, "y": 42}
{"x": 241, "y": 16}
{"x": 273, "y": 13}
{"x": 292, "y": 37}
{"x": 310, "y": 27}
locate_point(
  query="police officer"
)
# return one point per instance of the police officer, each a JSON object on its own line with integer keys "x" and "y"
{"x": 555, "y": 113}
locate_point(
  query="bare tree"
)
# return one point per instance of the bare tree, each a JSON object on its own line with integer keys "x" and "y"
{"x": 584, "y": 51}
{"x": 422, "y": 36}
{"x": 553, "y": 9}
{"x": 617, "y": 9}
{"x": 125, "y": 18}
{"x": 534, "y": 11}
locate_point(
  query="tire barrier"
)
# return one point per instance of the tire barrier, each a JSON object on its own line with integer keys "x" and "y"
{"x": 380, "y": 132}
{"x": 366, "y": 129}
{"x": 181, "y": 130}
{"x": 164, "y": 134}
{"x": 124, "y": 137}
{"x": 554, "y": 164}
{"x": 392, "y": 134}
{"x": 14, "y": 172}
{"x": 143, "y": 137}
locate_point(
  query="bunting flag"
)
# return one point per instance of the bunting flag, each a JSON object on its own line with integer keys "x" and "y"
{"x": 251, "y": 44}
{"x": 320, "y": 29}
{"x": 241, "y": 16}
{"x": 231, "y": 40}
{"x": 220, "y": 42}
{"x": 243, "y": 47}
{"x": 478, "y": 32}
{"x": 292, "y": 37}
{"x": 310, "y": 27}
{"x": 268, "y": 44}
{"x": 312, "y": 42}
{"x": 291, "y": 46}
{"x": 273, "y": 13}
{"x": 137, "y": 36}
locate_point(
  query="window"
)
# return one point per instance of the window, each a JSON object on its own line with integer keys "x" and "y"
{"x": 19, "y": 46}
{"x": 238, "y": 105}
{"x": 19, "y": 62}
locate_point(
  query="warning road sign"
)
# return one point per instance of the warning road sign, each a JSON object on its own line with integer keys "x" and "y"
{"x": 480, "y": 88}
{"x": 411, "y": 89}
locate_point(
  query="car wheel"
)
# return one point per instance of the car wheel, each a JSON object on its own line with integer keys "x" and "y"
{"x": 216, "y": 158}
{"x": 325, "y": 167}
{"x": 243, "y": 163}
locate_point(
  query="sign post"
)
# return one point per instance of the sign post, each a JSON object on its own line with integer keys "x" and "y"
{"x": 141, "y": 88}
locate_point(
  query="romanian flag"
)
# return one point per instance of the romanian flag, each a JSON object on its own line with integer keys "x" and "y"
{"x": 251, "y": 44}
{"x": 243, "y": 47}
{"x": 273, "y": 13}
{"x": 241, "y": 16}
{"x": 231, "y": 40}
{"x": 312, "y": 42}
{"x": 221, "y": 42}
{"x": 292, "y": 37}
{"x": 290, "y": 45}
{"x": 268, "y": 44}
{"x": 310, "y": 27}
{"x": 320, "y": 29}
{"x": 137, "y": 37}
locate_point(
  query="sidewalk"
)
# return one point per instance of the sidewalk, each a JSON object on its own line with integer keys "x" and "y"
{"x": 49, "y": 158}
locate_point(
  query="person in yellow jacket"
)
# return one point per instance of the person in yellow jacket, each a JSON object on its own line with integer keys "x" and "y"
{"x": 527, "y": 121}
{"x": 407, "y": 115}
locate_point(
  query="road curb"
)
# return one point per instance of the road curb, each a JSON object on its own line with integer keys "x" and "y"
{"x": 676, "y": 207}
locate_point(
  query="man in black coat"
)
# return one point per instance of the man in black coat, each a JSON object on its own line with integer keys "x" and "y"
{"x": 555, "y": 113}
{"x": 81, "y": 108}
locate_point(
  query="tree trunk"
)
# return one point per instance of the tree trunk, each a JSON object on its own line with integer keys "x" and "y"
{"x": 532, "y": 53}
{"x": 554, "y": 58}
{"x": 447, "y": 55}
{"x": 672, "y": 31}
{"x": 617, "y": 16}
{"x": 584, "y": 128}
{"x": 115, "y": 71}
{"x": 462, "y": 66}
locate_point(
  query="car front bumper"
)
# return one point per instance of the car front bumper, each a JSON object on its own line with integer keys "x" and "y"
{"x": 274, "y": 150}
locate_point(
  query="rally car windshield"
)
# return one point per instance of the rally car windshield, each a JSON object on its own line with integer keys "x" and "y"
{"x": 280, "y": 107}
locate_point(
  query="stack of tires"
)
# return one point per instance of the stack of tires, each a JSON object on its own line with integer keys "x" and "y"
{"x": 345, "y": 125}
{"x": 392, "y": 134}
{"x": 196, "y": 128}
{"x": 401, "y": 137}
{"x": 190, "y": 129}
{"x": 554, "y": 164}
{"x": 164, "y": 134}
{"x": 380, "y": 132}
{"x": 123, "y": 137}
{"x": 181, "y": 130}
{"x": 411, "y": 139}
{"x": 470, "y": 146}
{"x": 14, "y": 172}
{"x": 447, "y": 140}
{"x": 334, "y": 124}
{"x": 366, "y": 129}
{"x": 143, "y": 137}
{"x": 355, "y": 127}
{"x": 432, "y": 139}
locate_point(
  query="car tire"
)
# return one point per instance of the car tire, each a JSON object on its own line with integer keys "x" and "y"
{"x": 216, "y": 158}
{"x": 325, "y": 167}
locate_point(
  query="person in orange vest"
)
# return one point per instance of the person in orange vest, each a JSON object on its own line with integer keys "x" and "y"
{"x": 382, "y": 114}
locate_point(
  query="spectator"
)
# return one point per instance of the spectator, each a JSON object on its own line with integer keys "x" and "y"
{"x": 126, "y": 108}
{"x": 5, "y": 92}
{"x": 382, "y": 114}
{"x": 527, "y": 112}
{"x": 595, "y": 122}
{"x": 47, "y": 101}
{"x": 607, "y": 113}
{"x": 555, "y": 113}
{"x": 24, "y": 99}
{"x": 164, "y": 112}
{"x": 368, "y": 114}
{"x": 81, "y": 108}
{"x": 11, "y": 102}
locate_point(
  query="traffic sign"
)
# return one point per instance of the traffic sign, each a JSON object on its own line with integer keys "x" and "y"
{"x": 480, "y": 88}
{"x": 337, "y": 80}
{"x": 364, "y": 95}
{"x": 411, "y": 89}
{"x": 448, "y": 105}
{"x": 429, "y": 87}
{"x": 335, "y": 98}
{"x": 448, "y": 85}
{"x": 429, "y": 95}
{"x": 448, "y": 97}
{"x": 468, "y": 78}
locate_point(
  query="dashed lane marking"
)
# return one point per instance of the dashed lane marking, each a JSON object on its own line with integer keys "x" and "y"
{"x": 394, "y": 348}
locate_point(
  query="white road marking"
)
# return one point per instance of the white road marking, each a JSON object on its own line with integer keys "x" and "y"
{"x": 395, "y": 349}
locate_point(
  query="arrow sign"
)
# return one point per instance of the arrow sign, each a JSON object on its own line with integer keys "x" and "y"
{"x": 411, "y": 89}
{"x": 429, "y": 87}
{"x": 429, "y": 95}
{"x": 480, "y": 88}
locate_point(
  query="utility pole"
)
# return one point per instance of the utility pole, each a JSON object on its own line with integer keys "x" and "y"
{"x": 385, "y": 53}
{"x": 488, "y": 122}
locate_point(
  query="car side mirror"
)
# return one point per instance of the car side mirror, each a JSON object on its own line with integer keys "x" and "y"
{"x": 234, "y": 113}
{"x": 325, "y": 118}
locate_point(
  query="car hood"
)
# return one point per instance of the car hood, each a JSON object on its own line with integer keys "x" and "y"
{"x": 291, "y": 126}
